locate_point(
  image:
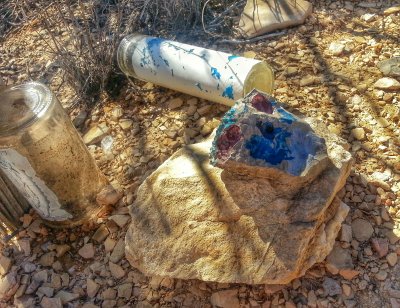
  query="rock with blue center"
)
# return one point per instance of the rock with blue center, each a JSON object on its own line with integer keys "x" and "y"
{"x": 257, "y": 133}
{"x": 257, "y": 204}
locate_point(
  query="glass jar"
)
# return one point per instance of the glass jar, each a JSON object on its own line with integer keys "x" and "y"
{"x": 43, "y": 155}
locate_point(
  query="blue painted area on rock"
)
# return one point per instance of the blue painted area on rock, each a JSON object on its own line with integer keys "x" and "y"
{"x": 270, "y": 137}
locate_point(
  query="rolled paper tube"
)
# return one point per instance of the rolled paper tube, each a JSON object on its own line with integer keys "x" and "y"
{"x": 213, "y": 75}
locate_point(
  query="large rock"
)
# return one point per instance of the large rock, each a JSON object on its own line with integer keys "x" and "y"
{"x": 258, "y": 220}
{"x": 263, "y": 16}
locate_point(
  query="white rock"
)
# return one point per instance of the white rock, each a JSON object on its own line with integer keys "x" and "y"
{"x": 368, "y": 17}
{"x": 336, "y": 48}
{"x": 387, "y": 83}
{"x": 96, "y": 133}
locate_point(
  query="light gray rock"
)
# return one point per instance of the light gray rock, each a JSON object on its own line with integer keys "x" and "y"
{"x": 346, "y": 234}
{"x": 390, "y": 67}
{"x": 331, "y": 287}
{"x": 339, "y": 258}
{"x": 387, "y": 83}
{"x": 66, "y": 297}
{"x": 336, "y": 48}
{"x": 96, "y": 133}
{"x": 362, "y": 229}
{"x": 260, "y": 17}
{"x": 246, "y": 224}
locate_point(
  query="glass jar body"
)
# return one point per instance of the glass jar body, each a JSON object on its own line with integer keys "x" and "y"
{"x": 44, "y": 156}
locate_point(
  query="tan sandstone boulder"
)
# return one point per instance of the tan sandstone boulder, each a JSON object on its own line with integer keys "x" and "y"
{"x": 192, "y": 220}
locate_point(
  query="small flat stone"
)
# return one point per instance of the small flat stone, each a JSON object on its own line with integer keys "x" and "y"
{"x": 116, "y": 270}
{"x": 392, "y": 10}
{"x": 28, "y": 267}
{"x": 66, "y": 297}
{"x": 47, "y": 259}
{"x": 346, "y": 290}
{"x": 358, "y": 133}
{"x": 51, "y": 302}
{"x": 62, "y": 250}
{"x": 101, "y": 234}
{"x": 109, "y": 244}
{"x": 381, "y": 246}
{"x": 331, "y": 287}
{"x": 309, "y": 80}
{"x": 339, "y": 258}
{"x": 48, "y": 291}
{"x": 175, "y": 103}
{"x": 41, "y": 276}
{"x": 346, "y": 234}
{"x": 362, "y": 229}
{"x": 87, "y": 251}
{"x": 91, "y": 288}
{"x": 125, "y": 290}
{"x": 225, "y": 299}
{"x": 116, "y": 113}
{"x": 204, "y": 110}
{"x": 381, "y": 275}
{"x": 336, "y": 48}
{"x": 120, "y": 220}
{"x": 108, "y": 196}
{"x": 96, "y": 133}
{"x": 387, "y": 83}
{"x": 5, "y": 264}
{"x": 118, "y": 252}
{"x": 348, "y": 274}
{"x": 125, "y": 124}
{"x": 109, "y": 293}
{"x": 25, "y": 301}
{"x": 390, "y": 67}
{"x": 392, "y": 258}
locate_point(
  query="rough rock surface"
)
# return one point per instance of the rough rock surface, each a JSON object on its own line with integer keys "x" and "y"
{"x": 248, "y": 224}
{"x": 261, "y": 17}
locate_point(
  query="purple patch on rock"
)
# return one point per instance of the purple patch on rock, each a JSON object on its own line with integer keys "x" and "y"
{"x": 261, "y": 103}
{"x": 227, "y": 140}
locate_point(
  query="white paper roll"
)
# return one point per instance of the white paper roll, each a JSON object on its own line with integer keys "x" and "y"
{"x": 209, "y": 74}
